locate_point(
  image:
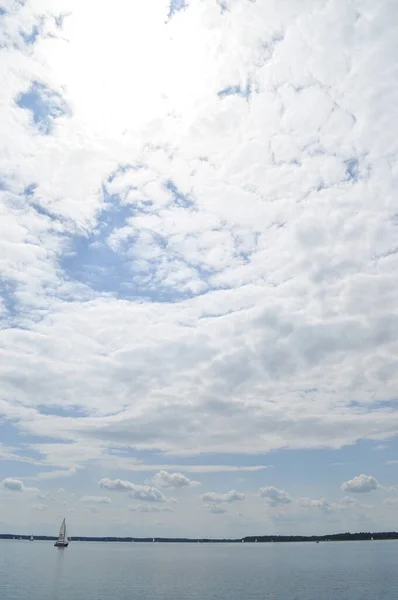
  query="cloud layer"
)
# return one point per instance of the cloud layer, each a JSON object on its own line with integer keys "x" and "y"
{"x": 251, "y": 263}
{"x": 199, "y": 263}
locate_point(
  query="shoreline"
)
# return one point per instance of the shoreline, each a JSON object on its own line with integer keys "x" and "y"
{"x": 261, "y": 539}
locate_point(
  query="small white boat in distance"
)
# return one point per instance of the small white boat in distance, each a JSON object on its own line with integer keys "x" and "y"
{"x": 31, "y": 538}
{"x": 62, "y": 541}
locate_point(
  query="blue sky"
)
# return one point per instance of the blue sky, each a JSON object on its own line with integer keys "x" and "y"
{"x": 198, "y": 252}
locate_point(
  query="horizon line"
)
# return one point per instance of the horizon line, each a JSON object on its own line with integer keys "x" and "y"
{"x": 347, "y": 536}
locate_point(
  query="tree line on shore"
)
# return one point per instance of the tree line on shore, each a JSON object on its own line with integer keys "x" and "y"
{"x": 336, "y": 537}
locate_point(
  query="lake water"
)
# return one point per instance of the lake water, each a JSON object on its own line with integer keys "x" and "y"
{"x": 127, "y": 571}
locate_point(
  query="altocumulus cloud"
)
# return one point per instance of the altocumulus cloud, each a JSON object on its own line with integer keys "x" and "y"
{"x": 215, "y": 498}
{"x": 247, "y": 277}
{"x": 173, "y": 480}
{"x": 16, "y": 485}
{"x": 39, "y": 507}
{"x": 147, "y": 508}
{"x": 148, "y": 493}
{"x": 392, "y": 501}
{"x": 95, "y": 500}
{"x": 274, "y": 497}
{"x": 348, "y": 502}
{"x": 216, "y": 509}
{"x": 56, "y": 474}
{"x": 145, "y": 493}
{"x": 360, "y": 484}
{"x": 116, "y": 485}
{"x": 308, "y": 503}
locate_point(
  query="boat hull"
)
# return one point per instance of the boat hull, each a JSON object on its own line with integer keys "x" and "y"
{"x": 61, "y": 544}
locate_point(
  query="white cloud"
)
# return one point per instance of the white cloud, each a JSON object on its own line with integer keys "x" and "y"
{"x": 96, "y": 500}
{"x": 173, "y": 480}
{"x": 39, "y": 507}
{"x": 392, "y": 501}
{"x": 56, "y": 474}
{"x": 308, "y": 503}
{"x": 149, "y": 508}
{"x": 349, "y": 502}
{"x": 355, "y": 507}
{"x": 274, "y": 497}
{"x": 148, "y": 493}
{"x": 360, "y": 484}
{"x": 214, "y": 497}
{"x": 145, "y": 493}
{"x": 8, "y": 453}
{"x": 216, "y": 509}
{"x": 194, "y": 468}
{"x": 14, "y": 485}
{"x": 42, "y": 496}
{"x": 116, "y": 485}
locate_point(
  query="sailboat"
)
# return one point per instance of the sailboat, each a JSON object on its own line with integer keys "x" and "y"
{"x": 31, "y": 538}
{"x": 62, "y": 541}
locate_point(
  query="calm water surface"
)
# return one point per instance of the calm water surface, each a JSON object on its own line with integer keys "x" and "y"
{"x": 99, "y": 571}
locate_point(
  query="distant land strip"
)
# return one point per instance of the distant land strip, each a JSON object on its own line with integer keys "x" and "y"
{"x": 336, "y": 537}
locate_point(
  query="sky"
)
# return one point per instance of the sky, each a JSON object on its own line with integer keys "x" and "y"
{"x": 198, "y": 259}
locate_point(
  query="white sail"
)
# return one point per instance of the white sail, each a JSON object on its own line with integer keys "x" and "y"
{"x": 62, "y": 532}
{"x": 62, "y": 541}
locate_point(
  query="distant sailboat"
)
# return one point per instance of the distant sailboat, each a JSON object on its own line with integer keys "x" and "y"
{"x": 62, "y": 541}
{"x": 31, "y": 538}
